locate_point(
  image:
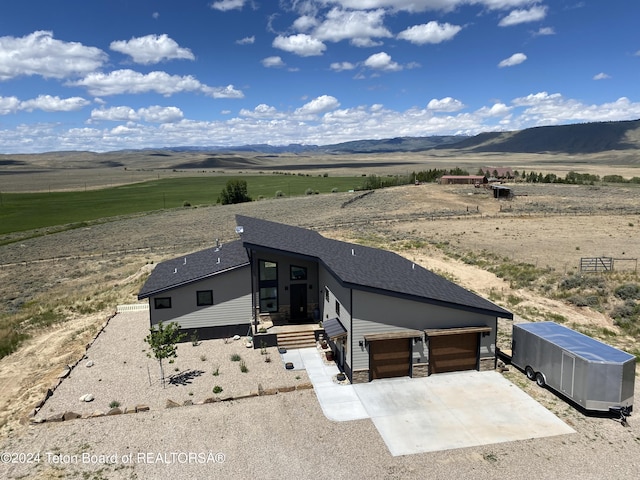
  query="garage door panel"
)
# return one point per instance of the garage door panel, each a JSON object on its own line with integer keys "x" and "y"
{"x": 389, "y": 358}
{"x": 452, "y": 353}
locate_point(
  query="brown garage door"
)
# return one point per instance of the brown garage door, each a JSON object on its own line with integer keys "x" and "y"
{"x": 452, "y": 353}
{"x": 390, "y": 358}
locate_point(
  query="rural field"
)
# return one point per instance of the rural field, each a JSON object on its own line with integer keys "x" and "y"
{"x": 60, "y": 284}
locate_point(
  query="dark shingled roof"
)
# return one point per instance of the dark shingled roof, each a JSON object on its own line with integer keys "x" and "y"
{"x": 334, "y": 328}
{"x": 364, "y": 268}
{"x": 193, "y": 267}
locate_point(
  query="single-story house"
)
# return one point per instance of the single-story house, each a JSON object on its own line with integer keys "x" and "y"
{"x": 463, "y": 180}
{"x": 384, "y": 315}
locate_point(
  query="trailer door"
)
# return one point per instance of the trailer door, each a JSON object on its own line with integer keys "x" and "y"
{"x": 568, "y": 369}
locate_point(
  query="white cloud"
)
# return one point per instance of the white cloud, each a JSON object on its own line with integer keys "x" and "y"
{"x": 382, "y": 61}
{"x": 152, "y": 49}
{"x": 342, "y": 66}
{"x": 46, "y": 103}
{"x": 446, "y": 104}
{"x": 301, "y": 44}
{"x": 496, "y": 110}
{"x": 305, "y": 23}
{"x": 247, "y": 40}
{"x": 272, "y": 62}
{"x": 40, "y": 54}
{"x": 542, "y": 31}
{"x": 322, "y": 104}
{"x": 536, "y": 99}
{"x": 515, "y": 59}
{"x": 9, "y": 105}
{"x": 516, "y": 17}
{"x": 432, "y": 32}
{"x": 155, "y": 15}
{"x": 261, "y": 111}
{"x": 153, "y": 114}
{"x": 601, "y": 76}
{"x": 226, "y": 5}
{"x": 128, "y": 81}
{"x": 360, "y": 27}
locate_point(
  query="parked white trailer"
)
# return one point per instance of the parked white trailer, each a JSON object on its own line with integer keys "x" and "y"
{"x": 592, "y": 374}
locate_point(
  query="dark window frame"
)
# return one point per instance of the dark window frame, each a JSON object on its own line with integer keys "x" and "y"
{"x": 337, "y": 307}
{"x": 266, "y": 286}
{"x": 294, "y": 277}
{"x": 161, "y": 303}
{"x": 208, "y": 301}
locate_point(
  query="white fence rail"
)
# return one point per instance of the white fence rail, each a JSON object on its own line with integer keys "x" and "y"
{"x": 133, "y": 307}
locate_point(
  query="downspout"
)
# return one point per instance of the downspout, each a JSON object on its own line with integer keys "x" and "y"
{"x": 254, "y": 316}
{"x": 351, "y": 333}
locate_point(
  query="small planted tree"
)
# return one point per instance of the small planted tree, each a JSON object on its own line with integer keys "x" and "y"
{"x": 163, "y": 341}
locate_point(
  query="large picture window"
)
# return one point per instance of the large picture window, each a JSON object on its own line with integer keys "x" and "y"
{"x": 268, "y": 275}
{"x": 204, "y": 297}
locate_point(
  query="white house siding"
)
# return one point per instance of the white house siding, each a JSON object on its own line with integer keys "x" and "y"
{"x": 376, "y": 313}
{"x": 231, "y": 302}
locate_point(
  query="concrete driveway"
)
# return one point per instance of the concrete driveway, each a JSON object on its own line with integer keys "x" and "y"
{"x": 440, "y": 412}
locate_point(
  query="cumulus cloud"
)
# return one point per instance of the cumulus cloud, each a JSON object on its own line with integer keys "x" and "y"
{"x": 515, "y": 59}
{"x": 128, "y": 81}
{"x": 261, "y": 111}
{"x": 39, "y": 53}
{"x": 46, "y": 103}
{"x": 226, "y": 5}
{"x": 496, "y": 110}
{"x": 516, "y": 17}
{"x": 601, "y": 76}
{"x": 432, "y": 32}
{"x": 272, "y": 62}
{"x": 305, "y": 23}
{"x": 342, "y": 66}
{"x": 446, "y": 104}
{"x": 322, "y": 104}
{"x": 301, "y": 44}
{"x": 360, "y": 27}
{"x": 152, "y": 49}
{"x": 424, "y": 5}
{"x": 382, "y": 61}
{"x": 153, "y": 114}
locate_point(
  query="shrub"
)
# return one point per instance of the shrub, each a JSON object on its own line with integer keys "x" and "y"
{"x": 308, "y": 191}
{"x": 114, "y": 404}
{"x": 186, "y": 204}
{"x": 243, "y": 367}
{"x": 236, "y": 357}
{"x": 628, "y": 291}
{"x": 279, "y": 194}
{"x": 216, "y": 372}
{"x": 234, "y": 192}
{"x": 217, "y": 389}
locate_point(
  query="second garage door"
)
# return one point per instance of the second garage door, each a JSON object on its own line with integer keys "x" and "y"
{"x": 452, "y": 353}
{"x": 390, "y": 358}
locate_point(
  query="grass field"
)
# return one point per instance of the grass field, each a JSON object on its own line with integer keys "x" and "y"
{"x": 27, "y": 211}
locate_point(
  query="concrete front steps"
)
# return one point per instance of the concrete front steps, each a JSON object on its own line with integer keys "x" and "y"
{"x": 299, "y": 339}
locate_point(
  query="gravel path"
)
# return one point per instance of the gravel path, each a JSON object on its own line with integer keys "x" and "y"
{"x": 121, "y": 371}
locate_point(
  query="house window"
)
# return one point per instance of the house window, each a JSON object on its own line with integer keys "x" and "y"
{"x": 326, "y": 294}
{"x": 268, "y": 285}
{"x": 337, "y": 307}
{"x": 162, "y": 302}
{"x": 298, "y": 273}
{"x": 204, "y": 297}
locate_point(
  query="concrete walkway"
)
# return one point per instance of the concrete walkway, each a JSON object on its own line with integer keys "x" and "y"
{"x": 440, "y": 412}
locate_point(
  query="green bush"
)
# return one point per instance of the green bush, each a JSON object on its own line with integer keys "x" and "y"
{"x": 236, "y": 357}
{"x": 217, "y": 389}
{"x": 628, "y": 291}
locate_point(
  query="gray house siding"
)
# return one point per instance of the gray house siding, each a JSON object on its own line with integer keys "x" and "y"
{"x": 343, "y": 296}
{"x": 231, "y": 302}
{"x": 285, "y": 282}
{"x": 375, "y": 313}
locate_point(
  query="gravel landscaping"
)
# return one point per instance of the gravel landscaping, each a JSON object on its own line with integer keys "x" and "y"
{"x": 116, "y": 368}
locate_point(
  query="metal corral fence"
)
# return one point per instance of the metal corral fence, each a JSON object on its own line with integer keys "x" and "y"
{"x": 606, "y": 264}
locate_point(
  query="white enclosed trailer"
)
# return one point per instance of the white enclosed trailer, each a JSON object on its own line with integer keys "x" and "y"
{"x": 592, "y": 374}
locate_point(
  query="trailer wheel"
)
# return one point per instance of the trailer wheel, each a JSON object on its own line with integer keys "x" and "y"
{"x": 531, "y": 375}
{"x": 540, "y": 380}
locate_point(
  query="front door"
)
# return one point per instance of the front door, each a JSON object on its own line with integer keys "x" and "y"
{"x": 298, "y": 301}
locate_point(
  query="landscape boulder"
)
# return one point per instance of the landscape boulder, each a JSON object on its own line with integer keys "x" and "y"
{"x": 87, "y": 397}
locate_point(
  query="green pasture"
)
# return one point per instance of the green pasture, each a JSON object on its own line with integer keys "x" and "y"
{"x": 28, "y": 211}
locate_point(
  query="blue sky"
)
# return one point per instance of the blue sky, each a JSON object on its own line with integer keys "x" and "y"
{"x": 116, "y": 74}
